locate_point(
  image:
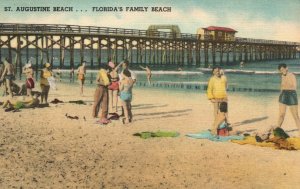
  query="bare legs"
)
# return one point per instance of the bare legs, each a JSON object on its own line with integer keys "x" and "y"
{"x": 294, "y": 111}
{"x": 113, "y": 100}
{"x": 8, "y": 86}
{"x": 127, "y": 111}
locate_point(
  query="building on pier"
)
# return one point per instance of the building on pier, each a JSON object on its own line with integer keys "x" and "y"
{"x": 217, "y": 33}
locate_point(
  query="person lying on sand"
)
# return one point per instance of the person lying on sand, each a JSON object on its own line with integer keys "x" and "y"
{"x": 22, "y": 102}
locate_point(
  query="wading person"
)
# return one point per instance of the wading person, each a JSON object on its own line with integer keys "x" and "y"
{"x": 148, "y": 72}
{"x": 288, "y": 95}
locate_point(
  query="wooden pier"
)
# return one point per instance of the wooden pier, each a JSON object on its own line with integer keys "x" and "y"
{"x": 138, "y": 46}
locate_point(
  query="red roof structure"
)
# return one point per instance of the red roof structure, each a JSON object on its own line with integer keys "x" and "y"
{"x": 216, "y": 28}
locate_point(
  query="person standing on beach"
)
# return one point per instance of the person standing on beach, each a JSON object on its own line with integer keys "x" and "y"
{"x": 28, "y": 71}
{"x": 126, "y": 95}
{"x": 101, "y": 95}
{"x": 9, "y": 75}
{"x": 113, "y": 88}
{"x": 148, "y": 72}
{"x": 216, "y": 90}
{"x": 44, "y": 83}
{"x": 72, "y": 74}
{"x": 1, "y": 71}
{"x": 81, "y": 76}
{"x": 288, "y": 95}
{"x": 125, "y": 66}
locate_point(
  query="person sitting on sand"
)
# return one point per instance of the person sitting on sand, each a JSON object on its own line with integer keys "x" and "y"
{"x": 81, "y": 76}
{"x": 22, "y": 102}
{"x": 44, "y": 83}
{"x": 126, "y": 95}
{"x": 9, "y": 75}
{"x": 148, "y": 72}
{"x": 28, "y": 71}
{"x": 220, "y": 120}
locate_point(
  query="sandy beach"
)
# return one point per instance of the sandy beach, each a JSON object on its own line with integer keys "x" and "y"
{"x": 41, "y": 148}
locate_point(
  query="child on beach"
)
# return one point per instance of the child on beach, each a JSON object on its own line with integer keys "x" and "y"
{"x": 126, "y": 95}
{"x": 220, "y": 121}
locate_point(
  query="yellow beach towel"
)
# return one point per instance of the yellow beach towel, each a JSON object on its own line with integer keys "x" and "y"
{"x": 288, "y": 144}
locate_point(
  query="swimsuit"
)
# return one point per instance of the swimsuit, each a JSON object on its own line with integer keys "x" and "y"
{"x": 125, "y": 96}
{"x": 10, "y": 77}
{"x": 114, "y": 86}
{"x": 288, "y": 97}
{"x": 29, "y": 83}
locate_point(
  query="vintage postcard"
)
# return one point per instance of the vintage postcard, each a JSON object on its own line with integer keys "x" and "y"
{"x": 149, "y": 94}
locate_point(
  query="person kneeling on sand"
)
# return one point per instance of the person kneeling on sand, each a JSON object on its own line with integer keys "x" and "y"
{"x": 221, "y": 126}
{"x": 126, "y": 95}
{"x": 22, "y": 102}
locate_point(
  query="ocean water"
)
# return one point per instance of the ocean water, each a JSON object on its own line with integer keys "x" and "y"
{"x": 254, "y": 77}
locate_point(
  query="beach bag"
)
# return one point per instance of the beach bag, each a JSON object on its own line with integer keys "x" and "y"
{"x": 223, "y": 129}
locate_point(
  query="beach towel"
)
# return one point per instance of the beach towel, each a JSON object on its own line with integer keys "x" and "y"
{"x": 209, "y": 136}
{"x": 148, "y": 134}
{"x": 52, "y": 83}
{"x": 277, "y": 143}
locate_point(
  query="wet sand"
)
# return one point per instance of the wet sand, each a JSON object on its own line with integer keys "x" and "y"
{"x": 41, "y": 148}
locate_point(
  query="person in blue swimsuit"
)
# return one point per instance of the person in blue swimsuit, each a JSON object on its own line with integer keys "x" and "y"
{"x": 126, "y": 95}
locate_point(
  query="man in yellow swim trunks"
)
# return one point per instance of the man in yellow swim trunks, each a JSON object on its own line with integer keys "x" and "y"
{"x": 81, "y": 76}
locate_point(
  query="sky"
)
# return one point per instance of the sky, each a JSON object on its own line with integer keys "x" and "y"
{"x": 259, "y": 19}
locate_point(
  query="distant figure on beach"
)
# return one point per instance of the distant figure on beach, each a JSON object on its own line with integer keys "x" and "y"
{"x": 148, "y": 72}
{"x": 125, "y": 66}
{"x": 1, "y": 71}
{"x": 58, "y": 74}
{"x": 288, "y": 95}
{"x": 242, "y": 64}
{"x": 46, "y": 73}
{"x": 113, "y": 88}
{"x": 101, "y": 95}
{"x": 216, "y": 90}
{"x": 28, "y": 71}
{"x": 81, "y": 76}
{"x": 8, "y": 75}
{"x": 72, "y": 74}
{"x": 126, "y": 95}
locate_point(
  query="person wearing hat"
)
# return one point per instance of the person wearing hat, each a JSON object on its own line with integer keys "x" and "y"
{"x": 44, "y": 83}
{"x": 81, "y": 76}
{"x": 9, "y": 75}
{"x": 101, "y": 95}
{"x": 28, "y": 71}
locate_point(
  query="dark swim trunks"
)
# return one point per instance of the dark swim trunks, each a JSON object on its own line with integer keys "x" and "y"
{"x": 288, "y": 97}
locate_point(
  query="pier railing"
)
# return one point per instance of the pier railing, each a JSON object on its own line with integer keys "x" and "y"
{"x": 11, "y": 28}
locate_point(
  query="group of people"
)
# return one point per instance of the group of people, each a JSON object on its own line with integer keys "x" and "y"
{"x": 110, "y": 84}
{"x": 216, "y": 93}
